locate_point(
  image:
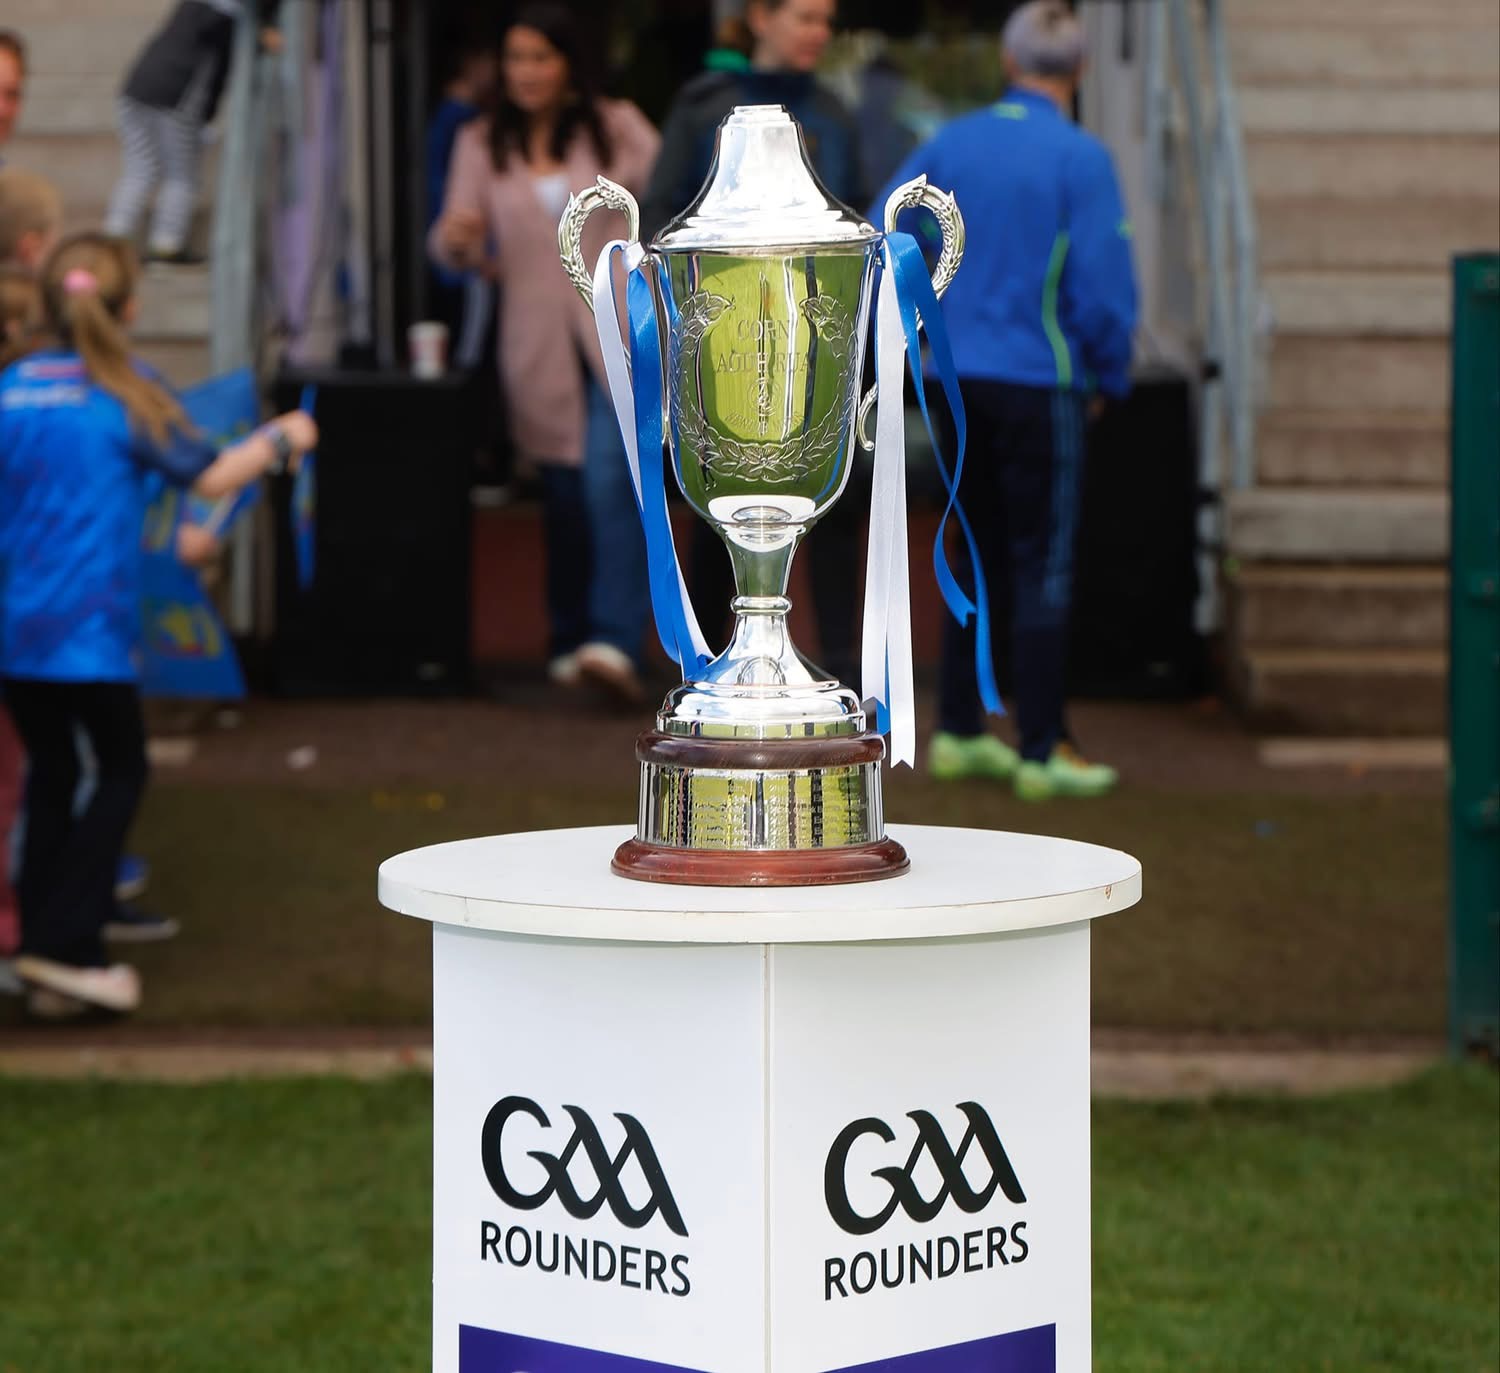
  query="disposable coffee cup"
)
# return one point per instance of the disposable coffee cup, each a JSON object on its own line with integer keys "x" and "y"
{"x": 427, "y": 345}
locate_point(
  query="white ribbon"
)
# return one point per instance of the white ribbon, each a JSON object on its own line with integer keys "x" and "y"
{"x": 617, "y": 373}
{"x": 886, "y": 653}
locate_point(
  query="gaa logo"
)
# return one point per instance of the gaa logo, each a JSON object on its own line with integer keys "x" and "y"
{"x": 931, "y": 1142}
{"x": 607, "y": 1169}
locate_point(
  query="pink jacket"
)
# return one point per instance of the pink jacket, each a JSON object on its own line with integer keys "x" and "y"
{"x": 544, "y": 325}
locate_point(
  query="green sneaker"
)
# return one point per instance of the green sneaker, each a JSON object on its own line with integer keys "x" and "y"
{"x": 952, "y": 756}
{"x": 1065, "y": 773}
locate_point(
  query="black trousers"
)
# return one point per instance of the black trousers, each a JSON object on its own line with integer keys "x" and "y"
{"x": 68, "y": 861}
{"x": 1023, "y": 477}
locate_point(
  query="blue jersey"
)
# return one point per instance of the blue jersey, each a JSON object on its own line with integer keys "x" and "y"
{"x": 73, "y": 475}
{"x": 1046, "y": 295}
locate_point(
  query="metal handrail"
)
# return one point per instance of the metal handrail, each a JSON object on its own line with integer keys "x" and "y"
{"x": 1246, "y": 273}
{"x": 236, "y": 238}
{"x": 1231, "y": 382}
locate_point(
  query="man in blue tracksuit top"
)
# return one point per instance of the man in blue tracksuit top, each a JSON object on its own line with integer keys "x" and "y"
{"x": 1041, "y": 316}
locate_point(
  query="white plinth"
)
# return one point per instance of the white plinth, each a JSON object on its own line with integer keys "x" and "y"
{"x": 800, "y": 1130}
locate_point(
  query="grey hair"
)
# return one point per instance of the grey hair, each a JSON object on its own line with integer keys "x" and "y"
{"x": 1044, "y": 38}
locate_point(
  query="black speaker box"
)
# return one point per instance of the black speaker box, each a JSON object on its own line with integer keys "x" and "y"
{"x": 388, "y": 609}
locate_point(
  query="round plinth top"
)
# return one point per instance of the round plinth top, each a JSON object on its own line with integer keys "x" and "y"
{"x": 557, "y": 883}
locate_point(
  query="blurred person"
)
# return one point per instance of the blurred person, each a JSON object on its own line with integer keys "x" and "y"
{"x": 12, "y": 83}
{"x": 20, "y": 313}
{"x": 548, "y": 136}
{"x": 463, "y": 300}
{"x": 1041, "y": 320}
{"x": 81, "y": 424}
{"x": 169, "y": 98}
{"x": 20, "y": 318}
{"x": 733, "y": 44}
{"x": 31, "y": 213}
{"x": 787, "y": 40}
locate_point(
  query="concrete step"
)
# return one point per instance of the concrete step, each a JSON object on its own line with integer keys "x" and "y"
{"x": 1328, "y": 525}
{"x": 102, "y": 43}
{"x": 74, "y": 104}
{"x": 83, "y": 167}
{"x": 33, "y": 17}
{"x": 1325, "y": 302}
{"x": 1368, "y": 232}
{"x": 176, "y": 305}
{"x": 1279, "y": 15}
{"x": 1367, "y": 54}
{"x": 1308, "y": 606}
{"x": 1366, "y": 374}
{"x": 1360, "y": 110}
{"x": 1365, "y": 165}
{"x": 1346, "y": 691}
{"x": 1333, "y": 448}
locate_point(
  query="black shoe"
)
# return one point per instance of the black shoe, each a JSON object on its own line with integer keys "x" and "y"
{"x": 130, "y": 926}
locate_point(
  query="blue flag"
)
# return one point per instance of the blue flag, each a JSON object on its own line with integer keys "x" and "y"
{"x": 224, "y": 409}
{"x": 187, "y": 652}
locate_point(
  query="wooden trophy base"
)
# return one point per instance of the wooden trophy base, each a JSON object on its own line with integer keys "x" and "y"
{"x": 760, "y": 868}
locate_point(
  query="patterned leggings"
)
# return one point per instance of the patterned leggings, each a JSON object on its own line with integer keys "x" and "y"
{"x": 160, "y": 147}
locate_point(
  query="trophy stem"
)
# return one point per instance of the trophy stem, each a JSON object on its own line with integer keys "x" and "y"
{"x": 760, "y": 651}
{"x": 762, "y": 559}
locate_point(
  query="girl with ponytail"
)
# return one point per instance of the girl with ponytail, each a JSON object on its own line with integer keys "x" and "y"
{"x": 81, "y": 424}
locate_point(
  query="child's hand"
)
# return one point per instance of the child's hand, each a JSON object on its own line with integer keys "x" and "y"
{"x": 272, "y": 41}
{"x": 195, "y": 545}
{"x": 300, "y": 428}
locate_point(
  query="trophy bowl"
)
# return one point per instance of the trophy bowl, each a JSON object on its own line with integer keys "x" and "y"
{"x": 762, "y": 769}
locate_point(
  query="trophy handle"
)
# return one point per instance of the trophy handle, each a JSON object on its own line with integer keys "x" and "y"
{"x": 945, "y": 210}
{"x": 604, "y": 194}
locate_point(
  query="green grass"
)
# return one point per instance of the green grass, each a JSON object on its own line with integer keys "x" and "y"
{"x": 282, "y": 1228}
{"x": 1305, "y": 914}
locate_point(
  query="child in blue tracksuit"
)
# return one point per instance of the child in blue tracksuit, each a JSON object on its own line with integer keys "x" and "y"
{"x": 81, "y": 424}
{"x": 1041, "y": 317}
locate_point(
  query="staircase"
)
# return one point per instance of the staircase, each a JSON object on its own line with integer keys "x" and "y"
{"x": 78, "y": 52}
{"x": 1372, "y": 130}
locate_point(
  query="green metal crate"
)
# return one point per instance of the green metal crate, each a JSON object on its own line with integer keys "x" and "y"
{"x": 1474, "y": 685}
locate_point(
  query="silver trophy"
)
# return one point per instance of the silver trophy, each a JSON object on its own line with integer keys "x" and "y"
{"x": 762, "y": 769}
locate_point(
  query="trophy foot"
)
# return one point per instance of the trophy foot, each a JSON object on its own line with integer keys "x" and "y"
{"x": 780, "y": 812}
{"x": 763, "y": 868}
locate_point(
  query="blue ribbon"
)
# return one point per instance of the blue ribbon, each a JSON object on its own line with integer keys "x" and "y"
{"x": 661, "y": 552}
{"x": 914, "y": 295}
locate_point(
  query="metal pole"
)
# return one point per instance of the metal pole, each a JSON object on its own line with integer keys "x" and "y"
{"x": 1474, "y": 677}
{"x": 1211, "y": 391}
{"x": 382, "y": 177}
{"x": 1246, "y": 289}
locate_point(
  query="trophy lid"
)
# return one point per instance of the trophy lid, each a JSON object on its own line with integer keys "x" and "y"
{"x": 762, "y": 193}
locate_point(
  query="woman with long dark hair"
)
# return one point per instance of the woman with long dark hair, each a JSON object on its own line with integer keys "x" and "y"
{"x": 549, "y": 135}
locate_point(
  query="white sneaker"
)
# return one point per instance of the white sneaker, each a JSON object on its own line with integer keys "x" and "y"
{"x": 116, "y": 988}
{"x": 564, "y": 670}
{"x": 612, "y": 669}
